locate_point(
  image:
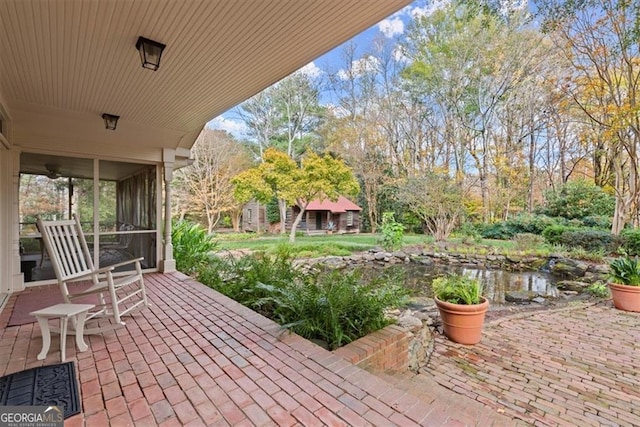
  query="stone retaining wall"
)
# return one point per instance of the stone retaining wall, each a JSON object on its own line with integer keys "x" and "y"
{"x": 567, "y": 268}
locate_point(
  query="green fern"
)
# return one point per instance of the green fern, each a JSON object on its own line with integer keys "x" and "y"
{"x": 336, "y": 306}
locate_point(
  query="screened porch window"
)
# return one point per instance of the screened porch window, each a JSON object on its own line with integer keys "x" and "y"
{"x": 117, "y": 211}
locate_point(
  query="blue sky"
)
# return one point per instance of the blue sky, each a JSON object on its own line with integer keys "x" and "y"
{"x": 392, "y": 27}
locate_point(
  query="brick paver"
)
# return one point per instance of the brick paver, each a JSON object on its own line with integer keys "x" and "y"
{"x": 575, "y": 366}
{"x": 196, "y": 357}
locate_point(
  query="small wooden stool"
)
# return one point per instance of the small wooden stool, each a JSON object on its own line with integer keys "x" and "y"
{"x": 63, "y": 312}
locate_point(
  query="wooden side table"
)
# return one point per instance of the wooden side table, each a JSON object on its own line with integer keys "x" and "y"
{"x": 64, "y": 312}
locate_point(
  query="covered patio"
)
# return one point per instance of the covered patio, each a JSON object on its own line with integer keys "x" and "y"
{"x": 82, "y": 105}
{"x": 196, "y": 357}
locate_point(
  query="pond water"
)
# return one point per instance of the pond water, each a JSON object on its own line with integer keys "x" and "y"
{"x": 418, "y": 278}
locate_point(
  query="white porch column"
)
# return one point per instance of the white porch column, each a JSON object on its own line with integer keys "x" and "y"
{"x": 11, "y": 279}
{"x": 168, "y": 264}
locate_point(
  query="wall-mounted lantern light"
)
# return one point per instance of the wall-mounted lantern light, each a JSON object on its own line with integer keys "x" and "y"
{"x": 150, "y": 53}
{"x": 110, "y": 121}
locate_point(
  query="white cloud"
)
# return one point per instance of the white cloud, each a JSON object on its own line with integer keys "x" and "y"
{"x": 399, "y": 54}
{"x": 391, "y": 26}
{"x": 360, "y": 67}
{"x": 234, "y": 127}
{"x": 428, "y": 9}
{"x": 508, "y": 7}
{"x": 311, "y": 70}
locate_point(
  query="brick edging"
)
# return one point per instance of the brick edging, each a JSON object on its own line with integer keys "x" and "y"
{"x": 384, "y": 350}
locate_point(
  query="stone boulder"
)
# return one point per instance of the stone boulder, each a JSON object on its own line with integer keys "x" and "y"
{"x": 568, "y": 267}
{"x": 382, "y": 256}
{"x": 520, "y": 296}
{"x": 572, "y": 285}
{"x": 409, "y": 321}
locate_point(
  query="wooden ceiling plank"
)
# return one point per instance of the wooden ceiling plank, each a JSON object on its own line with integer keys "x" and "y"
{"x": 78, "y": 56}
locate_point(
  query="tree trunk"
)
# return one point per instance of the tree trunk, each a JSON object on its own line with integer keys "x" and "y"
{"x": 210, "y": 222}
{"x": 618, "y": 216}
{"x": 282, "y": 207}
{"x": 235, "y": 220}
{"x": 294, "y": 226}
{"x": 484, "y": 194}
{"x": 532, "y": 169}
{"x": 372, "y": 203}
{"x": 621, "y": 210}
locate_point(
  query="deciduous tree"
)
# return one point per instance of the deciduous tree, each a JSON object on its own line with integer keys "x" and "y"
{"x": 601, "y": 40}
{"x": 204, "y": 188}
{"x": 285, "y": 116}
{"x": 317, "y": 177}
{"x": 436, "y": 199}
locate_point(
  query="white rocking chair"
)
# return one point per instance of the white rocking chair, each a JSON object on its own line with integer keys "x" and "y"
{"x": 71, "y": 260}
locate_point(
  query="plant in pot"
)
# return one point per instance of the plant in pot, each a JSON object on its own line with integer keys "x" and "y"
{"x": 462, "y": 307}
{"x": 330, "y": 227}
{"x": 624, "y": 274}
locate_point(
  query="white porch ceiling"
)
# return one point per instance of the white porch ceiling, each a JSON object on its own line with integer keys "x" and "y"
{"x": 65, "y": 62}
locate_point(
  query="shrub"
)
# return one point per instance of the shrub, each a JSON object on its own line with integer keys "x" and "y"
{"x": 412, "y": 223}
{"x": 590, "y": 240}
{"x": 583, "y": 254}
{"x": 226, "y": 221}
{"x": 599, "y": 290}
{"x": 553, "y": 233}
{"x": 469, "y": 233}
{"x": 499, "y": 231}
{"x": 578, "y": 199}
{"x": 272, "y": 211}
{"x": 191, "y": 246}
{"x": 528, "y": 241}
{"x": 631, "y": 241}
{"x": 597, "y": 221}
{"x": 436, "y": 199}
{"x": 528, "y": 223}
{"x": 392, "y": 232}
{"x": 522, "y": 223}
{"x": 239, "y": 278}
{"x": 335, "y": 307}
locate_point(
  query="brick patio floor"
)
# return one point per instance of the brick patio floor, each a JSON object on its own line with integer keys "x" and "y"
{"x": 198, "y": 358}
{"x": 575, "y": 366}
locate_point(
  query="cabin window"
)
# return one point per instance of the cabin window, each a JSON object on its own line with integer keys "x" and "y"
{"x": 350, "y": 219}
{"x": 249, "y": 213}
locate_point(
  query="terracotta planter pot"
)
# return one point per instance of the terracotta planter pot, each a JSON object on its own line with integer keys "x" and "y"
{"x": 625, "y": 297}
{"x": 463, "y": 323}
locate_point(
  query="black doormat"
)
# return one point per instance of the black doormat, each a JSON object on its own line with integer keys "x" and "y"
{"x": 43, "y": 386}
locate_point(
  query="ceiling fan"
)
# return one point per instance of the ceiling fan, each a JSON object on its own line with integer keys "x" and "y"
{"x": 52, "y": 171}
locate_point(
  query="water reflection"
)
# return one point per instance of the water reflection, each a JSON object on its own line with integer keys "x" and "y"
{"x": 418, "y": 278}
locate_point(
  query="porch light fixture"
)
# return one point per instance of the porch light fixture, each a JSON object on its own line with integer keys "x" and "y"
{"x": 150, "y": 52}
{"x": 110, "y": 121}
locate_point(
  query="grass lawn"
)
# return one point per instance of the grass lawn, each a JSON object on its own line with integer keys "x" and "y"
{"x": 347, "y": 244}
{"x": 318, "y": 245}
